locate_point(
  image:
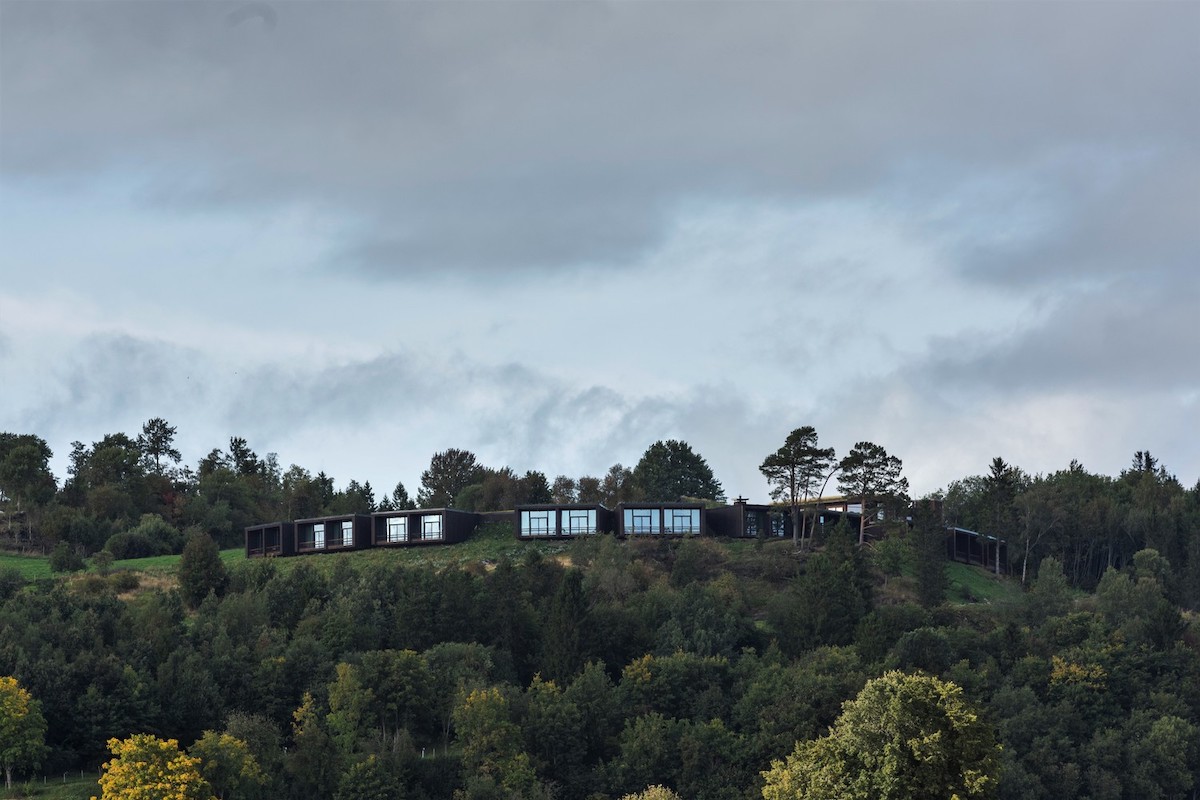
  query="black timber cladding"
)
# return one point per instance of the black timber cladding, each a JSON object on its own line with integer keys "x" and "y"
{"x": 562, "y": 521}
{"x": 421, "y": 526}
{"x": 744, "y": 520}
{"x": 662, "y": 519}
{"x": 333, "y": 534}
{"x": 271, "y": 539}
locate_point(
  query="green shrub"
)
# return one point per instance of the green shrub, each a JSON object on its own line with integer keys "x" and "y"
{"x": 11, "y": 581}
{"x": 132, "y": 544}
{"x": 125, "y": 581}
{"x": 64, "y": 559}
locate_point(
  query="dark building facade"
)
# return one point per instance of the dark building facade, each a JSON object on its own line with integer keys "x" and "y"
{"x": 562, "y": 521}
{"x": 271, "y": 539}
{"x": 333, "y": 534}
{"x": 421, "y": 526}
{"x": 662, "y": 519}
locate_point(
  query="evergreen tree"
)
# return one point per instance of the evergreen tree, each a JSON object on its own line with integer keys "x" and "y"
{"x": 795, "y": 471}
{"x": 871, "y": 475}
{"x": 929, "y": 551}
{"x": 201, "y": 570}
{"x": 562, "y": 644}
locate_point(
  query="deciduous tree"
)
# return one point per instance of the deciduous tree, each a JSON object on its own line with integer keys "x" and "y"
{"x": 145, "y": 767}
{"x": 669, "y": 470}
{"x": 22, "y": 729}
{"x": 229, "y": 767}
{"x": 904, "y": 737}
{"x": 450, "y": 471}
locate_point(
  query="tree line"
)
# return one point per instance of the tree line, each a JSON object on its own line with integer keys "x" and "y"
{"x": 133, "y": 496}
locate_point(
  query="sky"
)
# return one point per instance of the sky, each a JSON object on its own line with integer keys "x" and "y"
{"x": 552, "y": 233}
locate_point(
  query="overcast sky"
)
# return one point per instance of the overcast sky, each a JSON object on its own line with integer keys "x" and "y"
{"x": 357, "y": 233}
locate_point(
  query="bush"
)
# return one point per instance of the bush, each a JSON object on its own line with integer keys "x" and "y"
{"x": 125, "y": 581}
{"x": 11, "y": 581}
{"x": 132, "y": 544}
{"x": 157, "y": 529}
{"x": 64, "y": 559}
{"x": 201, "y": 570}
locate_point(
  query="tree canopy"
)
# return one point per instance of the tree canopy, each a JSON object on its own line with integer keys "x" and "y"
{"x": 450, "y": 471}
{"x": 670, "y": 470}
{"x": 145, "y": 767}
{"x": 795, "y": 471}
{"x": 870, "y": 474}
{"x": 22, "y": 729}
{"x": 904, "y": 737}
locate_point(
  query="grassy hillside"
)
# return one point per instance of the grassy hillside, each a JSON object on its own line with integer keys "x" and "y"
{"x": 977, "y": 585}
{"x": 73, "y": 788}
{"x": 967, "y": 585}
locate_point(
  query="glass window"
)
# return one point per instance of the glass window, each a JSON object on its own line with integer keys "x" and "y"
{"x": 347, "y": 534}
{"x": 397, "y": 529}
{"x": 641, "y": 520}
{"x": 538, "y": 523}
{"x": 319, "y": 536}
{"x": 580, "y": 521}
{"x": 682, "y": 520}
{"x": 431, "y": 527}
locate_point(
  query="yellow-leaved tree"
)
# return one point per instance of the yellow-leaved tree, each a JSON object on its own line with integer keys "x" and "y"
{"x": 22, "y": 729}
{"x": 145, "y": 767}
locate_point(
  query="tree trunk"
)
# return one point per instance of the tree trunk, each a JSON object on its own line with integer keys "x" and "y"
{"x": 862, "y": 520}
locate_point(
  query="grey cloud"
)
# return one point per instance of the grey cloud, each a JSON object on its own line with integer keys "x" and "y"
{"x": 1136, "y": 335}
{"x": 115, "y": 382}
{"x": 1098, "y": 217}
{"x": 559, "y": 134}
{"x": 108, "y": 376}
{"x": 510, "y": 414}
{"x": 276, "y": 398}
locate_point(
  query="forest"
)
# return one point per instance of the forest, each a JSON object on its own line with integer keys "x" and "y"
{"x": 599, "y": 668}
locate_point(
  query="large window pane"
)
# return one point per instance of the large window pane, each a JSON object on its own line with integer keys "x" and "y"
{"x": 538, "y": 523}
{"x": 641, "y": 520}
{"x": 431, "y": 527}
{"x": 682, "y": 520}
{"x": 580, "y": 521}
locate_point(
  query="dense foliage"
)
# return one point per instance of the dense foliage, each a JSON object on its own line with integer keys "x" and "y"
{"x": 685, "y": 664}
{"x": 606, "y": 669}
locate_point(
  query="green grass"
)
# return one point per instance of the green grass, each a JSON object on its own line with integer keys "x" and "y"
{"x": 30, "y": 567}
{"x": 74, "y": 788}
{"x": 35, "y": 567}
{"x": 169, "y": 564}
{"x": 977, "y": 585}
{"x": 495, "y": 541}
{"x": 487, "y": 545}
